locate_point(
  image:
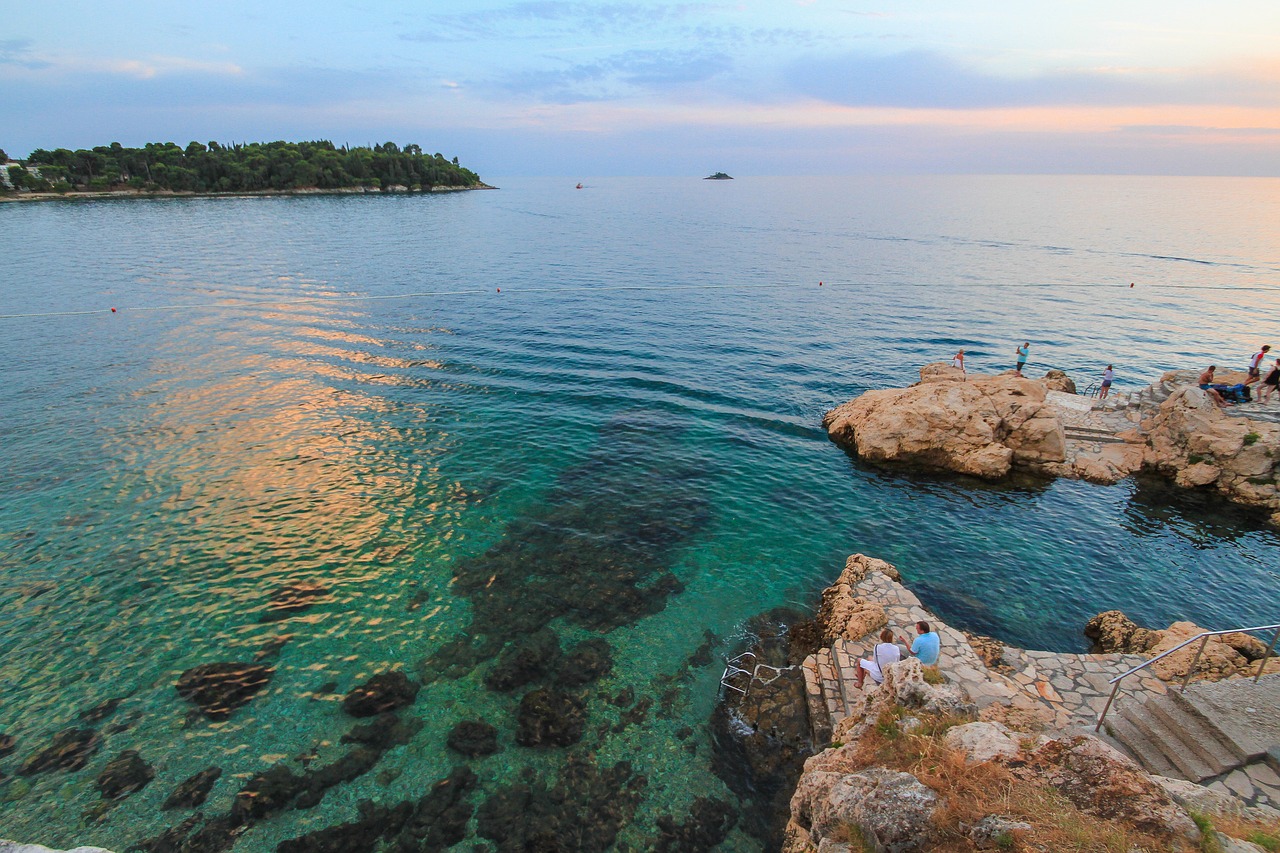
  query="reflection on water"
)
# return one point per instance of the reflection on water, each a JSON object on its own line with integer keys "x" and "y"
{"x": 550, "y": 508}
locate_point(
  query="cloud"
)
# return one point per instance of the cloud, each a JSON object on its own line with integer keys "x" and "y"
{"x": 616, "y": 76}
{"x": 922, "y": 79}
{"x": 19, "y": 52}
{"x": 547, "y": 19}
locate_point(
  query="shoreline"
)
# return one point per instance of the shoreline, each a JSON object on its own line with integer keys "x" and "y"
{"x": 98, "y": 195}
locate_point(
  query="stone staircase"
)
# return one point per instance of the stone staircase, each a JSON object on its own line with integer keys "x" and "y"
{"x": 1204, "y": 733}
{"x": 830, "y": 687}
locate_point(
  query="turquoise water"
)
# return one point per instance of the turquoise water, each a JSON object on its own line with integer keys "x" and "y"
{"x": 623, "y": 442}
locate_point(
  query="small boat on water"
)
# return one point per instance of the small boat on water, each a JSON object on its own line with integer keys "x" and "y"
{"x": 579, "y": 186}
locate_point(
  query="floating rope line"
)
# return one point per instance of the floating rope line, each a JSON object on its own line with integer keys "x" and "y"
{"x": 476, "y": 291}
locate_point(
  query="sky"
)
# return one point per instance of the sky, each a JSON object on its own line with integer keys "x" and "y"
{"x": 560, "y": 87}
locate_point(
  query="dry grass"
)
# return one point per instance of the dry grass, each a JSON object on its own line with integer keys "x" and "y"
{"x": 973, "y": 791}
{"x": 1265, "y": 834}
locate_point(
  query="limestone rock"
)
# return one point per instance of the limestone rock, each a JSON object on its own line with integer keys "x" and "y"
{"x": 983, "y": 741}
{"x": 1218, "y": 660}
{"x": 386, "y": 691}
{"x": 1056, "y": 380}
{"x": 941, "y": 371}
{"x": 979, "y": 427}
{"x": 218, "y": 689}
{"x": 15, "y": 847}
{"x": 996, "y": 832}
{"x": 1112, "y": 631}
{"x": 1227, "y": 844}
{"x": 892, "y": 810}
{"x": 1103, "y": 782}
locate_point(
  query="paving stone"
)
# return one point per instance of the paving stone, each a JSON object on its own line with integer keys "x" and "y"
{"x": 1239, "y": 784}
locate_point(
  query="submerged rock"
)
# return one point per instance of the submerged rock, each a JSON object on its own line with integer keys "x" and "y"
{"x": 194, "y": 790}
{"x": 581, "y": 813}
{"x": 386, "y": 691}
{"x": 70, "y": 750}
{"x": 7, "y": 744}
{"x": 709, "y": 823}
{"x": 550, "y": 718}
{"x": 218, "y": 689}
{"x": 589, "y": 661}
{"x": 124, "y": 775}
{"x": 524, "y": 660}
{"x": 98, "y": 713}
{"x": 474, "y": 738}
{"x": 295, "y": 598}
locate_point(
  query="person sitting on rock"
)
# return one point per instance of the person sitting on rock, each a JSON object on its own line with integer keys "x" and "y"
{"x": 886, "y": 652}
{"x": 1206, "y": 385}
{"x": 926, "y": 646}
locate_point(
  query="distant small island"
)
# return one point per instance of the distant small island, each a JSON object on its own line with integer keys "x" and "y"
{"x": 198, "y": 169}
{"x": 718, "y": 176}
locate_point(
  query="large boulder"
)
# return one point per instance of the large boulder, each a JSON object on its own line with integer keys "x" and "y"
{"x": 981, "y": 427}
{"x": 1101, "y": 781}
{"x": 842, "y": 613}
{"x": 983, "y": 741}
{"x": 1112, "y": 631}
{"x": 892, "y": 811}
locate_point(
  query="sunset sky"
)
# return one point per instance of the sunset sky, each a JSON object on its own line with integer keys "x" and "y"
{"x": 646, "y": 88}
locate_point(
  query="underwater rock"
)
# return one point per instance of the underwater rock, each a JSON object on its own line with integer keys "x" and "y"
{"x": 194, "y": 790}
{"x": 581, "y": 813}
{"x": 218, "y": 689}
{"x": 709, "y": 823}
{"x": 440, "y": 818}
{"x": 70, "y": 750}
{"x": 386, "y": 691}
{"x": 589, "y": 661}
{"x": 359, "y": 836}
{"x": 98, "y": 713}
{"x": 550, "y": 718}
{"x": 634, "y": 715}
{"x": 7, "y": 744}
{"x": 124, "y": 775}
{"x": 269, "y": 791}
{"x": 474, "y": 738}
{"x": 295, "y": 598}
{"x": 524, "y": 660}
{"x": 385, "y": 731}
{"x": 760, "y": 741}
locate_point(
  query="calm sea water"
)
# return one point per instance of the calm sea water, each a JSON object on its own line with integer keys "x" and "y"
{"x": 560, "y": 401}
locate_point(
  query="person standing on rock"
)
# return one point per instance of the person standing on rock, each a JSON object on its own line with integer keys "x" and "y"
{"x": 886, "y": 652}
{"x": 926, "y": 646}
{"x": 958, "y": 361}
{"x": 1270, "y": 384}
{"x": 1255, "y": 365}
{"x": 1022, "y": 356}
{"x": 1107, "y": 376}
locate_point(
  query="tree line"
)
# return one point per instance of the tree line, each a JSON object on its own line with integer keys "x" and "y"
{"x": 240, "y": 167}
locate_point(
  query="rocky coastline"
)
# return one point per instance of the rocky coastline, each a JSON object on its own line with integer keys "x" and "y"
{"x": 397, "y": 189}
{"x": 993, "y": 426}
{"x": 983, "y": 751}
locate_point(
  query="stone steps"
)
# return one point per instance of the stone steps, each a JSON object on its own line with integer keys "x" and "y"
{"x": 830, "y": 687}
{"x": 1169, "y": 736}
{"x": 1090, "y": 434}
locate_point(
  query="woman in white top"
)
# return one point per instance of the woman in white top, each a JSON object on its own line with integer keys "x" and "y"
{"x": 885, "y": 653}
{"x": 958, "y": 360}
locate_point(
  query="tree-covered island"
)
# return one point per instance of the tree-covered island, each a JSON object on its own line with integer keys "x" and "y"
{"x": 164, "y": 167}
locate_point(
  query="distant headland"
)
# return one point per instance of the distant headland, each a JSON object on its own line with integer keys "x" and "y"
{"x": 265, "y": 168}
{"x": 718, "y": 176}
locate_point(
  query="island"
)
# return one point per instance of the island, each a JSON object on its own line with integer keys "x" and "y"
{"x": 165, "y": 168}
{"x": 718, "y": 176}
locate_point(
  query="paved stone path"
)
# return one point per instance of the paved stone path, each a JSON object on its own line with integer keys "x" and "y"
{"x": 1067, "y": 691}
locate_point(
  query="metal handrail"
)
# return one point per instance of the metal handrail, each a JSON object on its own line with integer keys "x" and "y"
{"x": 1204, "y": 641}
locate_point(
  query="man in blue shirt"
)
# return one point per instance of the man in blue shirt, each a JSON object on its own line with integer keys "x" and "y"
{"x": 926, "y": 646}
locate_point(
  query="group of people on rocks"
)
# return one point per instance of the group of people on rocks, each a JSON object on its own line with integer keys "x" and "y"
{"x": 1226, "y": 395}
{"x": 926, "y": 646}
{"x": 1220, "y": 394}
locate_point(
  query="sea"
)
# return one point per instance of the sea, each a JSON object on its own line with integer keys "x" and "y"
{"x": 345, "y": 435}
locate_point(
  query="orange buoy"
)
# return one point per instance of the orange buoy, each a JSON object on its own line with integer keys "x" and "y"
{"x": 113, "y": 310}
